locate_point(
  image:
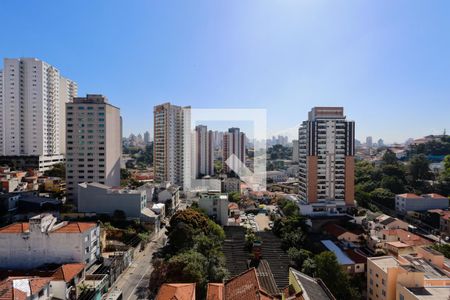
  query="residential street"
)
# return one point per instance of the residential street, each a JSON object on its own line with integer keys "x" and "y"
{"x": 134, "y": 281}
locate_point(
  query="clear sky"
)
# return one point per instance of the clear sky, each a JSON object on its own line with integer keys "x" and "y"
{"x": 387, "y": 62}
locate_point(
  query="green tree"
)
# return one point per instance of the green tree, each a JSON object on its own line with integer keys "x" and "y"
{"x": 234, "y": 197}
{"x": 290, "y": 209}
{"x": 299, "y": 256}
{"x": 383, "y": 197}
{"x": 393, "y": 184}
{"x": 58, "y": 170}
{"x": 329, "y": 270}
{"x": 443, "y": 248}
{"x": 389, "y": 158}
{"x": 419, "y": 168}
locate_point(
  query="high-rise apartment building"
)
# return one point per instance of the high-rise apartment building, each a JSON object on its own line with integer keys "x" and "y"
{"x": 233, "y": 143}
{"x": 295, "y": 150}
{"x": 33, "y": 96}
{"x": 326, "y": 156}
{"x": 369, "y": 142}
{"x": 93, "y": 138}
{"x": 204, "y": 151}
{"x": 172, "y": 144}
{"x": 147, "y": 138}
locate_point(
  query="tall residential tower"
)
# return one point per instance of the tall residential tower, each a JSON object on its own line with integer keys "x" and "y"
{"x": 94, "y": 143}
{"x": 234, "y": 142}
{"x": 204, "y": 151}
{"x": 32, "y": 105}
{"x": 326, "y": 156}
{"x": 172, "y": 144}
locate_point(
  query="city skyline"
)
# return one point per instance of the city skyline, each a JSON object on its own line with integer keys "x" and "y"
{"x": 238, "y": 60}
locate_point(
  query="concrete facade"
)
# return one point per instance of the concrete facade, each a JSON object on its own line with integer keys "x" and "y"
{"x": 216, "y": 205}
{"x": 172, "y": 144}
{"x": 44, "y": 241}
{"x": 94, "y": 143}
{"x": 32, "y": 111}
{"x": 102, "y": 199}
{"x": 326, "y": 156}
{"x": 412, "y": 202}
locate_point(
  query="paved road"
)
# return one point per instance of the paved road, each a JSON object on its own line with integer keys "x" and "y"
{"x": 134, "y": 281}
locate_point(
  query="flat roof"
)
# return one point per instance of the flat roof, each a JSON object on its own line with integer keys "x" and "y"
{"x": 384, "y": 262}
{"x": 342, "y": 258}
{"x": 431, "y": 292}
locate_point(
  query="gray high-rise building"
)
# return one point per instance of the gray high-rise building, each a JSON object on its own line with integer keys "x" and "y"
{"x": 204, "y": 151}
{"x": 234, "y": 142}
{"x": 147, "y": 138}
{"x": 295, "y": 150}
{"x": 326, "y": 156}
{"x": 93, "y": 138}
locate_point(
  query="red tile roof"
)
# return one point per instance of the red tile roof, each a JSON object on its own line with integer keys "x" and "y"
{"x": 15, "y": 228}
{"x": 336, "y": 230}
{"x": 407, "y": 237}
{"x": 68, "y": 271}
{"x": 76, "y": 227}
{"x": 434, "y": 196}
{"x": 356, "y": 257}
{"x": 409, "y": 195}
{"x": 245, "y": 286}
{"x": 176, "y": 291}
{"x": 215, "y": 291}
{"x": 8, "y": 292}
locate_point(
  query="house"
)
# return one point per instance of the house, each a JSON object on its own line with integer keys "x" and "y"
{"x": 444, "y": 223}
{"x": 216, "y": 206}
{"x": 344, "y": 261}
{"x": 244, "y": 286}
{"x": 102, "y": 199}
{"x": 388, "y": 222}
{"x": 53, "y": 184}
{"x": 169, "y": 194}
{"x": 412, "y": 202}
{"x": 176, "y": 291}
{"x": 302, "y": 286}
{"x": 405, "y": 237}
{"x": 65, "y": 280}
{"x": 42, "y": 240}
{"x": 349, "y": 238}
{"x": 24, "y": 288}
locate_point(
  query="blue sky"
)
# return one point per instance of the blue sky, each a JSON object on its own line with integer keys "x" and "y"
{"x": 387, "y": 62}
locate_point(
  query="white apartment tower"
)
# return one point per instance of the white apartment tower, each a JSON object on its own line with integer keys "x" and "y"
{"x": 94, "y": 143}
{"x": 32, "y": 97}
{"x": 172, "y": 144}
{"x": 234, "y": 142}
{"x": 326, "y": 156}
{"x": 204, "y": 151}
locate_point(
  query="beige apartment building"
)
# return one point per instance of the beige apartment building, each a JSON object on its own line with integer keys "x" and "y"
{"x": 172, "y": 144}
{"x": 93, "y": 138}
{"x": 408, "y": 277}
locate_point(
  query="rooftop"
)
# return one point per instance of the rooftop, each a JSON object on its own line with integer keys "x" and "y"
{"x": 428, "y": 293}
{"x": 312, "y": 289}
{"x": 176, "y": 291}
{"x": 384, "y": 262}
{"x": 342, "y": 258}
